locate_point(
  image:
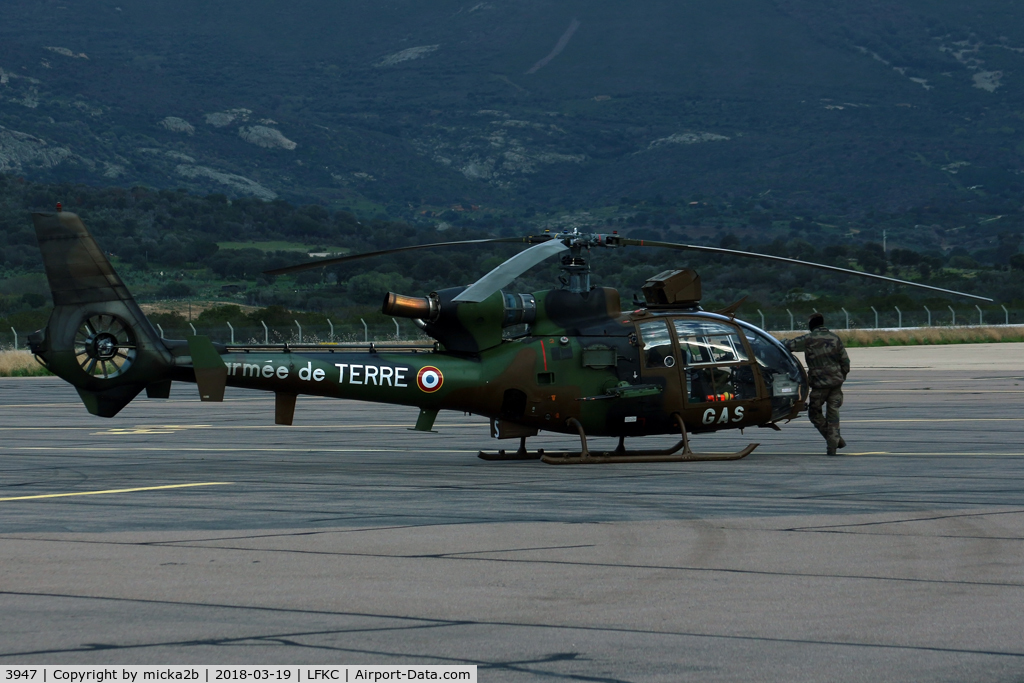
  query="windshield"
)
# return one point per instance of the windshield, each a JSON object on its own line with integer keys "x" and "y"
{"x": 779, "y": 369}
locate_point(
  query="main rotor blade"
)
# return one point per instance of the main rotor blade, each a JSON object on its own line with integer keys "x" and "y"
{"x": 782, "y": 259}
{"x": 529, "y": 239}
{"x": 510, "y": 270}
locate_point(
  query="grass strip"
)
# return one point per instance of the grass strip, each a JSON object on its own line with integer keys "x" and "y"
{"x": 923, "y": 336}
{"x": 21, "y": 364}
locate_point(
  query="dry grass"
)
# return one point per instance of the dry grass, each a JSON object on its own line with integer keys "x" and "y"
{"x": 20, "y": 364}
{"x": 924, "y": 336}
{"x": 182, "y": 307}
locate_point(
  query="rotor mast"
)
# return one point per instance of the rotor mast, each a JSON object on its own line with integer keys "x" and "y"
{"x": 575, "y": 265}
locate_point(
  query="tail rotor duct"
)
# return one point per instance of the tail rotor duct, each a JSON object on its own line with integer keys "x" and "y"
{"x": 105, "y": 346}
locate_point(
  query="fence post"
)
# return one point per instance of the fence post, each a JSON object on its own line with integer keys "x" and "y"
{"x": 981, "y": 319}
{"x": 300, "y": 330}
{"x": 928, "y": 311}
{"x": 899, "y": 313}
{"x": 366, "y": 330}
{"x": 954, "y": 314}
{"x": 398, "y": 331}
{"x": 194, "y": 333}
{"x": 232, "y": 333}
{"x": 876, "y": 317}
{"x": 1007, "y": 313}
{"x": 762, "y": 317}
{"x": 15, "y": 338}
{"x": 847, "y": 317}
{"x": 162, "y": 335}
{"x": 792, "y": 325}
{"x": 332, "y": 329}
{"x": 266, "y": 333}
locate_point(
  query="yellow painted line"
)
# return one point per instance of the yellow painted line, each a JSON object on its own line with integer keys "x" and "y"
{"x": 925, "y": 454}
{"x": 934, "y": 391}
{"x": 150, "y": 429}
{"x": 44, "y": 429}
{"x": 943, "y": 419}
{"x": 37, "y": 405}
{"x": 164, "y": 400}
{"x": 938, "y": 379}
{"x": 142, "y": 488}
{"x": 298, "y": 453}
{"x": 310, "y": 451}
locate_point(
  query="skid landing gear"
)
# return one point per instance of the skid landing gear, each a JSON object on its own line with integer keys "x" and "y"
{"x": 679, "y": 453}
{"x": 521, "y": 454}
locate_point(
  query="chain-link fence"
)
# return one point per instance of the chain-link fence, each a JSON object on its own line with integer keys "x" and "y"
{"x": 781, "y": 320}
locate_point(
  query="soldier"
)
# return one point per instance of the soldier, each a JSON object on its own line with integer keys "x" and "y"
{"x": 827, "y": 368}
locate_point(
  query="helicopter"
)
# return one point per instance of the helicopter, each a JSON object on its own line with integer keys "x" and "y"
{"x": 567, "y": 360}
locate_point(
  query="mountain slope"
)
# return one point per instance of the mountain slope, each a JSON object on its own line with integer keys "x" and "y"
{"x": 521, "y": 103}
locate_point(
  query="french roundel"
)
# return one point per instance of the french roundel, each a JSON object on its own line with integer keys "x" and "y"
{"x": 429, "y": 379}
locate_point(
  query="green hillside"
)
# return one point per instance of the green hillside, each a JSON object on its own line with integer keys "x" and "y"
{"x": 413, "y": 108}
{"x": 166, "y": 246}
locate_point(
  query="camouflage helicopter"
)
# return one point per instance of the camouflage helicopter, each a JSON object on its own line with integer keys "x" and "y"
{"x": 567, "y": 360}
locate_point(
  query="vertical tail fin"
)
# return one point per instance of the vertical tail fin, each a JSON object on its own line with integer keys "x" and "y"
{"x": 97, "y": 337}
{"x": 78, "y": 271}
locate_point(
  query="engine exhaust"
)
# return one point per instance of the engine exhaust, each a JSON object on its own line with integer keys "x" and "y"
{"x": 401, "y": 306}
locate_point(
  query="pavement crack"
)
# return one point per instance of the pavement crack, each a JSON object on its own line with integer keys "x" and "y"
{"x": 932, "y": 518}
{"x": 423, "y": 622}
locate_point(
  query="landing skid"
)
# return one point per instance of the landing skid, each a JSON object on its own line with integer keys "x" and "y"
{"x": 679, "y": 453}
{"x": 521, "y": 454}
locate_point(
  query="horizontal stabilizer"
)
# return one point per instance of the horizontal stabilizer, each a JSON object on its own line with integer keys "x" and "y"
{"x": 211, "y": 372}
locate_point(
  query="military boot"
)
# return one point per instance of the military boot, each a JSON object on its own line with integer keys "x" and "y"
{"x": 833, "y": 439}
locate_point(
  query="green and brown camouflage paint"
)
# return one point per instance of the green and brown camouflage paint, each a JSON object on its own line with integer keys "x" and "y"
{"x": 581, "y": 358}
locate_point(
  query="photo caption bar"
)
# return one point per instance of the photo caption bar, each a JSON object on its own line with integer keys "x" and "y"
{"x": 204, "y": 673}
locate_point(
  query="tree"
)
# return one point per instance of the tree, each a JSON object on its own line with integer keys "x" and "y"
{"x": 371, "y": 287}
{"x": 729, "y": 241}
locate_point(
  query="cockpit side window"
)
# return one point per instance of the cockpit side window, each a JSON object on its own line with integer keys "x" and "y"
{"x": 657, "y": 344}
{"x": 709, "y": 343}
{"x": 717, "y": 365}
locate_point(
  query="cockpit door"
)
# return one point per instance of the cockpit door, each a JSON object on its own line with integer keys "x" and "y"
{"x": 718, "y": 371}
{"x": 659, "y": 358}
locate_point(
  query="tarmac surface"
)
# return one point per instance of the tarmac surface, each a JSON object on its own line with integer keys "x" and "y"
{"x": 347, "y": 539}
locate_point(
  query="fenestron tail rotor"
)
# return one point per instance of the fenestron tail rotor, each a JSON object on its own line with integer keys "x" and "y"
{"x": 97, "y": 337}
{"x": 105, "y": 346}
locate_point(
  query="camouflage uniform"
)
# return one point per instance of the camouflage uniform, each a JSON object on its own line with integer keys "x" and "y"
{"x": 827, "y": 368}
